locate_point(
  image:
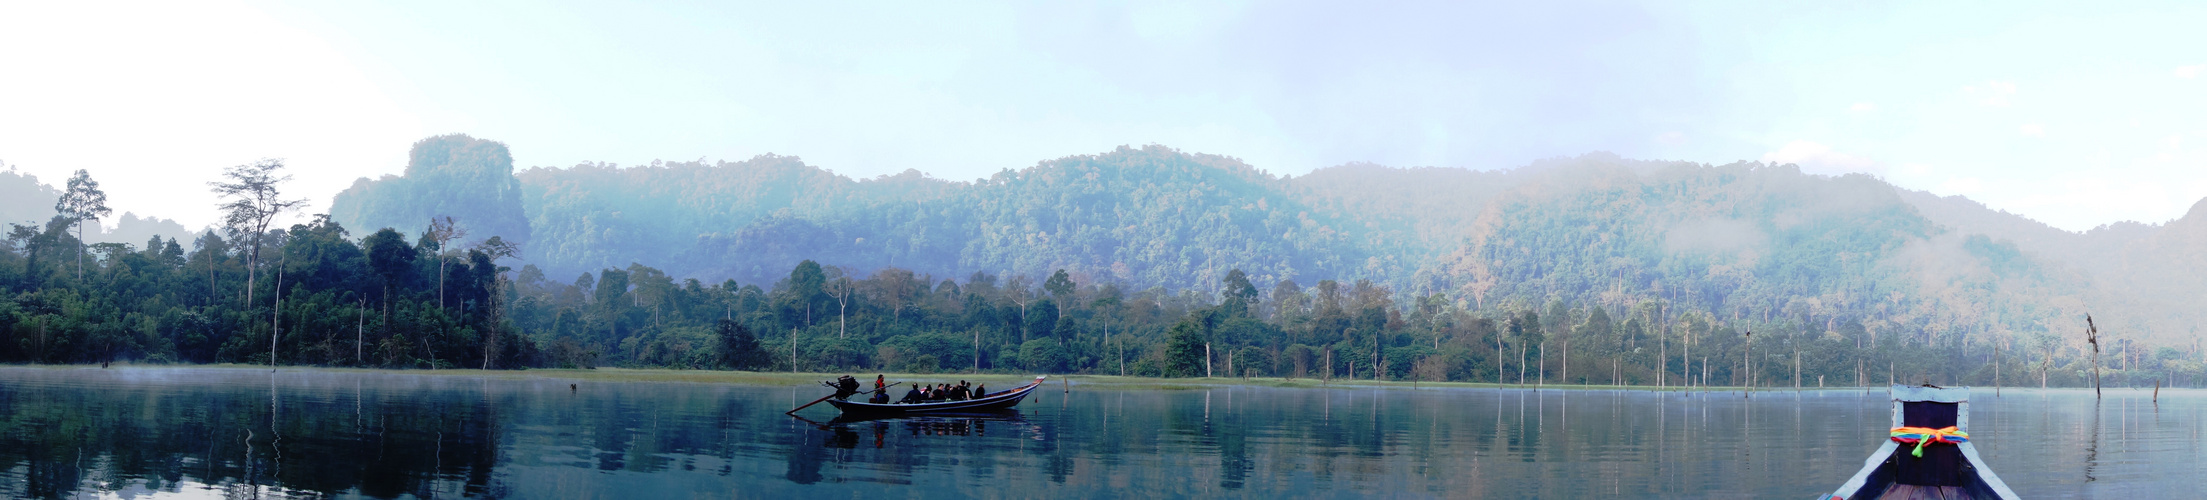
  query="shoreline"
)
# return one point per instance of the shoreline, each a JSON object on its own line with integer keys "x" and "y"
{"x": 799, "y": 379}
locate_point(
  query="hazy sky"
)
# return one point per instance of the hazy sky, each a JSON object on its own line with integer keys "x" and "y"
{"x": 2073, "y": 113}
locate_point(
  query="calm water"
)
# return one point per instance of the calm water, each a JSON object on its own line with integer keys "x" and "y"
{"x": 201, "y": 432}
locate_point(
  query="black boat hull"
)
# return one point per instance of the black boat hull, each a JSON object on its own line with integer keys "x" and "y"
{"x": 1945, "y": 470}
{"x": 995, "y": 402}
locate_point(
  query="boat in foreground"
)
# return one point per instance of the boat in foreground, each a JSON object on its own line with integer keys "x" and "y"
{"x": 1929, "y": 454}
{"x": 998, "y": 401}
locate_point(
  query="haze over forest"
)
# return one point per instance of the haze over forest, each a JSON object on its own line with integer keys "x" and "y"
{"x": 1713, "y": 250}
{"x": 1743, "y": 239}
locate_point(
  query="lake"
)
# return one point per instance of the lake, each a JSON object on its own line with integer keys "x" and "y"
{"x": 216, "y": 432}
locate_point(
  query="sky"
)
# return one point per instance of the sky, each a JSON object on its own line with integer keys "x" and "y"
{"x": 2076, "y": 114}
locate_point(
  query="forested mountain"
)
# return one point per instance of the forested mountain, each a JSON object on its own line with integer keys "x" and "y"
{"x": 1144, "y": 260}
{"x": 468, "y": 179}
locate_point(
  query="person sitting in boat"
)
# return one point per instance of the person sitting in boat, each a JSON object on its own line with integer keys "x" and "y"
{"x": 881, "y": 395}
{"x": 913, "y": 396}
{"x": 980, "y": 391}
{"x": 958, "y": 392}
{"x": 938, "y": 393}
{"x": 844, "y": 387}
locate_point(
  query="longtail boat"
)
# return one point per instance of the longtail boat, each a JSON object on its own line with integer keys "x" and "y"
{"x": 996, "y": 401}
{"x": 1928, "y": 455}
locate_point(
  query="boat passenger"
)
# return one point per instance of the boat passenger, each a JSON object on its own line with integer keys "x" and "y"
{"x": 881, "y": 396}
{"x": 958, "y": 392}
{"x": 844, "y": 387}
{"x": 980, "y": 391}
{"x": 913, "y": 396}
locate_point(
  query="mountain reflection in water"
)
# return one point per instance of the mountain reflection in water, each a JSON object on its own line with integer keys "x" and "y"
{"x": 242, "y": 432}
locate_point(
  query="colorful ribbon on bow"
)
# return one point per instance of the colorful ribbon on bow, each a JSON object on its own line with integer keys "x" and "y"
{"x": 1920, "y": 436}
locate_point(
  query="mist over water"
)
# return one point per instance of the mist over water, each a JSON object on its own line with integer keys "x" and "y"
{"x": 206, "y": 432}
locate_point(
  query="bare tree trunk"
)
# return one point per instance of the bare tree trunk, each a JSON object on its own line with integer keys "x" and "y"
{"x": 490, "y": 330}
{"x": 2092, "y": 336}
{"x": 275, "y": 325}
{"x": 360, "y": 332}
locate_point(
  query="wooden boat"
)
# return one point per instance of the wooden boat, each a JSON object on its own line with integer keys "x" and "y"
{"x": 998, "y": 401}
{"x": 1945, "y": 469}
{"x": 946, "y": 417}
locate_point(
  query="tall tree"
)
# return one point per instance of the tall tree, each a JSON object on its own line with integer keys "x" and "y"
{"x": 807, "y": 283}
{"x": 1239, "y": 294}
{"x": 255, "y": 201}
{"x": 491, "y": 278}
{"x": 82, "y": 201}
{"x": 442, "y": 231}
{"x": 1184, "y": 349}
{"x": 1060, "y": 286}
{"x": 390, "y": 257}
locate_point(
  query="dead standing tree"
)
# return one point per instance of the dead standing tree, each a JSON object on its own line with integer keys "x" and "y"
{"x": 840, "y": 287}
{"x": 2092, "y": 336}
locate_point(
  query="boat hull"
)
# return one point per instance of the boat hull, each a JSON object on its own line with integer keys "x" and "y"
{"x": 1878, "y": 479}
{"x": 1944, "y": 470}
{"x": 996, "y": 402}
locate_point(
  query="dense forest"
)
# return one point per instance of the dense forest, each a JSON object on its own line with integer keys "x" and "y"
{"x": 1141, "y": 261}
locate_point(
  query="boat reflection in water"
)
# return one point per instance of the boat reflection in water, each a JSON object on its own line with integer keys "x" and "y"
{"x": 846, "y": 428}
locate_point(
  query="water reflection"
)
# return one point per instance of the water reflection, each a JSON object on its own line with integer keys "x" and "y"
{"x": 244, "y": 433}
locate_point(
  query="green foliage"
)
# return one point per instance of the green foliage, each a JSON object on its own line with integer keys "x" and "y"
{"x": 1184, "y": 351}
{"x": 739, "y": 350}
{"x": 1044, "y": 356}
{"x": 1628, "y": 272}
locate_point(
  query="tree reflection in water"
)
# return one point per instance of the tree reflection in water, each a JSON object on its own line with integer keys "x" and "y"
{"x": 126, "y": 432}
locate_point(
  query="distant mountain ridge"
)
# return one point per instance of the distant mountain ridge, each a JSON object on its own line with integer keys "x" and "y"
{"x": 1738, "y": 240}
{"x": 26, "y": 201}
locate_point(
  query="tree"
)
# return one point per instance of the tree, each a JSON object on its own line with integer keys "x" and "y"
{"x": 895, "y": 288}
{"x": 442, "y": 231}
{"x": 806, "y": 283}
{"x": 255, "y": 202}
{"x": 1239, "y": 294}
{"x": 739, "y": 349}
{"x": 1044, "y": 321}
{"x": 483, "y": 259}
{"x": 1060, "y": 286}
{"x": 2092, "y": 336}
{"x": 840, "y": 287}
{"x": 83, "y": 200}
{"x": 1016, "y": 290}
{"x": 1045, "y": 355}
{"x": 1184, "y": 349}
{"x": 391, "y": 258}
